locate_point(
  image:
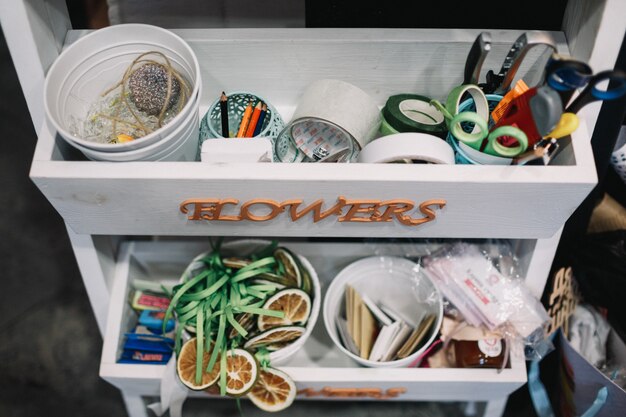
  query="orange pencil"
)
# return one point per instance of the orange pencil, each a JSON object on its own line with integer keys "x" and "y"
{"x": 245, "y": 121}
{"x": 253, "y": 120}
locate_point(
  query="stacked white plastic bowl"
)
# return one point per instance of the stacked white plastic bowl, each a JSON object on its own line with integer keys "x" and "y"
{"x": 95, "y": 63}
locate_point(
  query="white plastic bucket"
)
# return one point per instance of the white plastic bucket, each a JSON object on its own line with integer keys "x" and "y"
{"x": 399, "y": 284}
{"x": 97, "y": 62}
{"x": 185, "y": 148}
{"x": 187, "y": 133}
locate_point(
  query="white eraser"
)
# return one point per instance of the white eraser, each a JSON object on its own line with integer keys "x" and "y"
{"x": 237, "y": 150}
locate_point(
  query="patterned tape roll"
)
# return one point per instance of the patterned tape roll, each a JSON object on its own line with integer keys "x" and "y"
{"x": 413, "y": 113}
{"x": 343, "y": 105}
{"x": 408, "y": 146}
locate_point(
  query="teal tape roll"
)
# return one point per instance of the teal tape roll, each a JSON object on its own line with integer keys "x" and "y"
{"x": 413, "y": 113}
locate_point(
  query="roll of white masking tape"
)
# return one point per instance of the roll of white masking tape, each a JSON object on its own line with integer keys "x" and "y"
{"x": 408, "y": 147}
{"x": 343, "y": 105}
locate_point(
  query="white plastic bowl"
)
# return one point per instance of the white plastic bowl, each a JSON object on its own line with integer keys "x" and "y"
{"x": 97, "y": 61}
{"x": 184, "y": 145}
{"x": 243, "y": 248}
{"x": 397, "y": 282}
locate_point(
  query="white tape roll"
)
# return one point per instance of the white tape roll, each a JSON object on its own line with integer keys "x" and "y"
{"x": 342, "y": 104}
{"x": 408, "y": 146}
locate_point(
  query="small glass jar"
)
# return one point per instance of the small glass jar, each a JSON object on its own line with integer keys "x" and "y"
{"x": 484, "y": 353}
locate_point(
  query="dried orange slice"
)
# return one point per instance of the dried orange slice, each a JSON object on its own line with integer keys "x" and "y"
{"x": 292, "y": 270}
{"x": 236, "y": 263}
{"x": 186, "y": 367}
{"x": 274, "y": 391}
{"x": 246, "y": 320}
{"x": 295, "y": 303}
{"x": 242, "y": 371}
{"x": 276, "y": 338}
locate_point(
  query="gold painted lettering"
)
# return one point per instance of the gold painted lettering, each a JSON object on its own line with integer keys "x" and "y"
{"x": 376, "y": 393}
{"x": 425, "y": 210}
{"x": 200, "y": 207}
{"x": 209, "y": 209}
{"x": 360, "y": 206}
{"x": 316, "y": 208}
{"x": 275, "y": 209}
{"x": 357, "y": 210}
{"x": 394, "y": 208}
{"x": 217, "y": 215}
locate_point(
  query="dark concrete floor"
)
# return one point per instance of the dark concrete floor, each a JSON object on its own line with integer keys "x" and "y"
{"x": 50, "y": 349}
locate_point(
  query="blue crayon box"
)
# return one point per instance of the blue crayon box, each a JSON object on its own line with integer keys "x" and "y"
{"x": 153, "y": 320}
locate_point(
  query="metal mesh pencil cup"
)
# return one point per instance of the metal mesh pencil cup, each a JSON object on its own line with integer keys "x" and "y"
{"x": 460, "y": 157}
{"x": 211, "y": 125}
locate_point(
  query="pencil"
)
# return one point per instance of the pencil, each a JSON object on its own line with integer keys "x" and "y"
{"x": 253, "y": 121}
{"x": 259, "y": 124}
{"x": 245, "y": 121}
{"x": 224, "y": 113}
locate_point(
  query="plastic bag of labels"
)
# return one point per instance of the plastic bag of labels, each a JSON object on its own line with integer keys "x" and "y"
{"x": 483, "y": 285}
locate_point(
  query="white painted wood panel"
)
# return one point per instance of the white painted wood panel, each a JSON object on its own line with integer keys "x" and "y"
{"x": 279, "y": 63}
{"x": 482, "y": 201}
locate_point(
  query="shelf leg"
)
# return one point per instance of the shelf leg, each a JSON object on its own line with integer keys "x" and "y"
{"x": 495, "y": 408}
{"x": 135, "y": 407}
{"x": 95, "y": 261}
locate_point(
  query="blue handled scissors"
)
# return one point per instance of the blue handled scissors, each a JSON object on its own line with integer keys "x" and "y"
{"x": 566, "y": 76}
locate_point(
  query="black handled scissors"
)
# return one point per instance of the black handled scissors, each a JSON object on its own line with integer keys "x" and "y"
{"x": 566, "y": 76}
{"x": 501, "y": 83}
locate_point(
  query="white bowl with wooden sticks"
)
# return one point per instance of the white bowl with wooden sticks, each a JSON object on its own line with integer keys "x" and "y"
{"x": 293, "y": 289}
{"x": 383, "y": 312}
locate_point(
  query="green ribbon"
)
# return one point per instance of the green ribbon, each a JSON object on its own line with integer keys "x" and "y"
{"x": 263, "y": 356}
{"x": 210, "y": 300}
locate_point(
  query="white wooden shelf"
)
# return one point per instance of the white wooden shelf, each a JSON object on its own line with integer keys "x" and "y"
{"x": 101, "y": 202}
{"x": 482, "y": 201}
{"x": 319, "y": 364}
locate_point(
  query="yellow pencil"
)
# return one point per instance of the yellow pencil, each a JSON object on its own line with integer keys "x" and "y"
{"x": 245, "y": 121}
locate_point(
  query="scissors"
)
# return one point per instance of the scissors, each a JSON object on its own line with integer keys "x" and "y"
{"x": 566, "y": 76}
{"x": 536, "y": 112}
{"x": 548, "y": 147}
{"x": 501, "y": 83}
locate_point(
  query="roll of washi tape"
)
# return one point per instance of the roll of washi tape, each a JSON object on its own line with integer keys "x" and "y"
{"x": 480, "y": 102}
{"x": 405, "y": 147}
{"x": 319, "y": 139}
{"x": 413, "y": 113}
{"x": 343, "y": 105}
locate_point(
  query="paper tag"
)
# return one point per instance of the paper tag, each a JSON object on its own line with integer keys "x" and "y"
{"x": 490, "y": 347}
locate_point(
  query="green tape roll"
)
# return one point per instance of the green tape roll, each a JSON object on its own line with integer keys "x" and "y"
{"x": 413, "y": 113}
{"x": 480, "y": 101}
{"x": 386, "y": 129}
{"x": 479, "y": 132}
